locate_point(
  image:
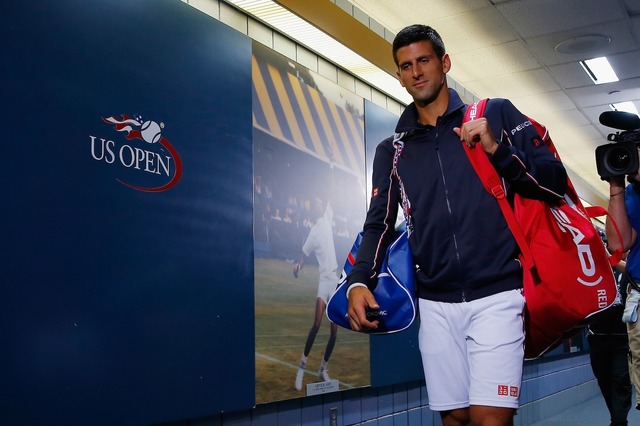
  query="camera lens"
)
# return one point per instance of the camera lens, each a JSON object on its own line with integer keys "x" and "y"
{"x": 618, "y": 159}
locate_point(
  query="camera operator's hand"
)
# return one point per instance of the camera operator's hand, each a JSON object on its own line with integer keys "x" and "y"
{"x": 618, "y": 219}
{"x": 616, "y": 185}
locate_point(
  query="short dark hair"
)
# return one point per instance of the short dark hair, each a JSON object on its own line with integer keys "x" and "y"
{"x": 415, "y": 33}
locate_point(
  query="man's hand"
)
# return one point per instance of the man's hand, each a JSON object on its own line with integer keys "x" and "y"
{"x": 477, "y": 131}
{"x": 296, "y": 270}
{"x": 616, "y": 184}
{"x": 361, "y": 298}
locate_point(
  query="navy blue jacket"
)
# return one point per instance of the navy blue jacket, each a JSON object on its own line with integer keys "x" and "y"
{"x": 461, "y": 244}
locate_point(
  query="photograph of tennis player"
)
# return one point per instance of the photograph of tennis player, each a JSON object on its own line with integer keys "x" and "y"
{"x": 309, "y": 200}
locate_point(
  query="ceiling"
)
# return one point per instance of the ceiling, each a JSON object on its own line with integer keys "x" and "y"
{"x": 506, "y": 48}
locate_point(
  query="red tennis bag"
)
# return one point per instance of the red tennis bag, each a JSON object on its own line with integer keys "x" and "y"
{"x": 568, "y": 273}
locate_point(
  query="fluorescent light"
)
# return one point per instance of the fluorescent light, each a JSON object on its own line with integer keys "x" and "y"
{"x": 625, "y": 106}
{"x": 599, "y": 70}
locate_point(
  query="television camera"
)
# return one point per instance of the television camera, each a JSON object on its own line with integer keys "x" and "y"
{"x": 621, "y": 157}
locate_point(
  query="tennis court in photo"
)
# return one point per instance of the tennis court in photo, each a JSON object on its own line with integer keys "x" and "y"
{"x": 284, "y": 313}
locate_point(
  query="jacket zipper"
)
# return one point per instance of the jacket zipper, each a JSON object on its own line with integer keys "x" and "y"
{"x": 446, "y": 196}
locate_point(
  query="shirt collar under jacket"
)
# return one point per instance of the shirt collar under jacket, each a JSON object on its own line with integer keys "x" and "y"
{"x": 409, "y": 119}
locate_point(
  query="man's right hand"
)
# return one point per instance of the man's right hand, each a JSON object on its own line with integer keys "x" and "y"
{"x": 296, "y": 270}
{"x": 361, "y": 298}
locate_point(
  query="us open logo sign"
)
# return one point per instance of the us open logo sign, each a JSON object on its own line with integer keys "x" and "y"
{"x": 144, "y": 155}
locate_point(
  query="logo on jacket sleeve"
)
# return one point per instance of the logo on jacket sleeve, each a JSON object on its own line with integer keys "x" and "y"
{"x": 149, "y": 153}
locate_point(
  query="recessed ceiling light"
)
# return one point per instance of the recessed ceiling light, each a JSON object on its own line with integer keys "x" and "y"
{"x": 583, "y": 44}
{"x": 599, "y": 70}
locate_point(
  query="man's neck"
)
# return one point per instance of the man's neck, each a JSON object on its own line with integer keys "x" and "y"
{"x": 428, "y": 113}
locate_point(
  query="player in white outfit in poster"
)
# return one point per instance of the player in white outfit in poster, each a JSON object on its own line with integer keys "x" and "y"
{"x": 320, "y": 242}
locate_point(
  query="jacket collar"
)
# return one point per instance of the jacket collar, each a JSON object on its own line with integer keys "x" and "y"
{"x": 409, "y": 118}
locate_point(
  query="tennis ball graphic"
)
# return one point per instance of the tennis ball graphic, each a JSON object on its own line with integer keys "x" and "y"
{"x": 151, "y": 131}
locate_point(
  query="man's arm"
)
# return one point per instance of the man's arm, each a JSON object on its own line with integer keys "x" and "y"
{"x": 299, "y": 265}
{"x": 618, "y": 213}
{"x": 522, "y": 158}
{"x": 378, "y": 231}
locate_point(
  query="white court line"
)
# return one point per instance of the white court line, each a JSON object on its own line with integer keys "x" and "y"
{"x": 295, "y": 367}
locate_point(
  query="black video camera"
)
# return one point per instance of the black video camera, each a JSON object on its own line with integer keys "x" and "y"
{"x": 620, "y": 158}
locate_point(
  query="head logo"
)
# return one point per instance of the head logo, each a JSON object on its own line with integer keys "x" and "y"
{"x": 589, "y": 276}
{"x": 473, "y": 111}
{"x": 160, "y": 159}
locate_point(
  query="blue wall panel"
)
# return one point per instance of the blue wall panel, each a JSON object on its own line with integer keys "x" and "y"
{"x": 124, "y": 304}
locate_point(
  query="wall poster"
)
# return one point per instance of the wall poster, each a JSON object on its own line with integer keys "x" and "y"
{"x": 310, "y": 203}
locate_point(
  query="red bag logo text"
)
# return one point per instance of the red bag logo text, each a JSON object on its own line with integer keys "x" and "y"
{"x": 584, "y": 250}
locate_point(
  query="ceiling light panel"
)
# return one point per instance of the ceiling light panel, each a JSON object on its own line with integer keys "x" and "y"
{"x": 599, "y": 70}
{"x": 625, "y": 106}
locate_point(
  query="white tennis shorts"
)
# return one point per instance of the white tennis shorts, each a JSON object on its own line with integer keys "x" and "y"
{"x": 327, "y": 285}
{"x": 473, "y": 352}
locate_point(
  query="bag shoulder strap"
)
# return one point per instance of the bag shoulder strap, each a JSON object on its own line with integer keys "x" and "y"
{"x": 572, "y": 194}
{"x": 398, "y": 145}
{"x": 493, "y": 183}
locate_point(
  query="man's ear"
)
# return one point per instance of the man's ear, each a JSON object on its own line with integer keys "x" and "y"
{"x": 398, "y": 77}
{"x": 446, "y": 63}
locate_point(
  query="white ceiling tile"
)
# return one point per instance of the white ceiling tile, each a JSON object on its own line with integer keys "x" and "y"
{"x": 555, "y": 120}
{"x": 593, "y": 114}
{"x": 534, "y": 105}
{"x": 482, "y": 28}
{"x": 394, "y": 15}
{"x": 495, "y": 61}
{"x": 626, "y": 65}
{"x": 622, "y": 40}
{"x": 533, "y": 18}
{"x": 621, "y": 91}
{"x": 427, "y": 11}
{"x": 570, "y": 75}
{"x": 517, "y": 84}
{"x": 570, "y": 136}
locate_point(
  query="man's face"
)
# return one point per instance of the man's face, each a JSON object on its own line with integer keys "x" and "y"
{"x": 421, "y": 72}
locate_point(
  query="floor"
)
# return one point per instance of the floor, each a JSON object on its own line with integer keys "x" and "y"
{"x": 592, "y": 412}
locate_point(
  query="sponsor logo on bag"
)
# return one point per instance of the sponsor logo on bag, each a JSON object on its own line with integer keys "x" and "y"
{"x": 602, "y": 298}
{"x": 371, "y": 314}
{"x": 473, "y": 111}
{"x": 585, "y": 256}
